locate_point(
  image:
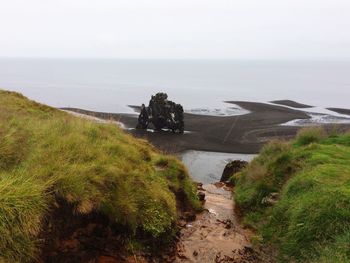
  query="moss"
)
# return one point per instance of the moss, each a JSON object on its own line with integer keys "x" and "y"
{"x": 47, "y": 154}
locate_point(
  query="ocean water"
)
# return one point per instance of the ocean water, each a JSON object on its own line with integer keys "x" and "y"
{"x": 200, "y": 85}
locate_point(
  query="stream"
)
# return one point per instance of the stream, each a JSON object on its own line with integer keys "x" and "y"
{"x": 216, "y": 235}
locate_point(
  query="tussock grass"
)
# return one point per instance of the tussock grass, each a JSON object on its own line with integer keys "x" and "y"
{"x": 311, "y": 220}
{"x": 47, "y": 154}
{"x": 310, "y": 135}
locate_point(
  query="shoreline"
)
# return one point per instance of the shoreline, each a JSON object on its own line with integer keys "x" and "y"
{"x": 340, "y": 110}
{"x": 244, "y": 134}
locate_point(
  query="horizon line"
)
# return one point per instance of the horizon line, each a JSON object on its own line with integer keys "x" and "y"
{"x": 177, "y": 59}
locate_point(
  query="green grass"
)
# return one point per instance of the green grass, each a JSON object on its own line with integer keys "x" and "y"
{"x": 311, "y": 220}
{"x": 47, "y": 154}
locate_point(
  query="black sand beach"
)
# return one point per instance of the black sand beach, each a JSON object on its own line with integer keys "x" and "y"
{"x": 340, "y": 110}
{"x": 291, "y": 103}
{"x": 235, "y": 134}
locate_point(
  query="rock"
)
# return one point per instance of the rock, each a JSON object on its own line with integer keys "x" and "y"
{"x": 219, "y": 184}
{"x": 189, "y": 216}
{"x": 166, "y": 258}
{"x": 143, "y": 119}
{"x": 182, "y": 223}
{"x": 228, "y": 224}
{"x": 200, "y": 187}
{"x": 162, "y": 113}
{"x": 201, "y": 196}
{"x": 231, "y": 168}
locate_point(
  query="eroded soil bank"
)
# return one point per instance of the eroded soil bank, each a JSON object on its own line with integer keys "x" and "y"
{"x": 216, "y": 235}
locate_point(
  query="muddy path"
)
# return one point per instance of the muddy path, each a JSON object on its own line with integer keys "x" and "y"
{"x": 216, "y": 235}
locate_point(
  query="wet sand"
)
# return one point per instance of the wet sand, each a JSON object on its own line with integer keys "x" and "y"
{"x": 232, "y": 134}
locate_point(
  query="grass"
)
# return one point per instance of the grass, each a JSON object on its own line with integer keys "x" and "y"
{"x": 311, "y": 220}
{"x": 47, "y": 154}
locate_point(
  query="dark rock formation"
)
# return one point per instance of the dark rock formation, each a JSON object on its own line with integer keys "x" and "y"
{"x": 189, "y": 216}
{"x": 231, "y": 168}
{"x": 162, "y": 113}
{"x": 200, "y": 187}
{"x": 143, "y": 119}
{"x": 201, "y": 196}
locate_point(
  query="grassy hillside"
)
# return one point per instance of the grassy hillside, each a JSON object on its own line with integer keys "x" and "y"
{"x": 297, "y": 195}
{"x": 47, "y": 155}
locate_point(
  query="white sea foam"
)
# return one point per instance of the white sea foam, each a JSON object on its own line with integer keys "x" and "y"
{"x": 318, "y": 119}
{"x": 152, "y": 130}
{"x": 318, "y": 115}
{"x": 223, "y": 111}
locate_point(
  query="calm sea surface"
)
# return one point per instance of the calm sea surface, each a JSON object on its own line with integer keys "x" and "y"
{"x": 110, "y": 85}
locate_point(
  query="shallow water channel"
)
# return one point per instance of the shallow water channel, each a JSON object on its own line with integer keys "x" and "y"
{"x": 207, "y": 167}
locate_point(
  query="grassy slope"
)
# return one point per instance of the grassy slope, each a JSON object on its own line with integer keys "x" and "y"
{"x": 47, "y": 154}
{"x": 311, "y": 220}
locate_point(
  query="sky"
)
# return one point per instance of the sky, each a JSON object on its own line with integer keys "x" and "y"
{"x": 178, "y": 29}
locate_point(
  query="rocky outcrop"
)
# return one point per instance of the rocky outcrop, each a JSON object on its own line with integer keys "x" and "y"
{"x": 162, "y": 113}
{"x": 201, "y": 196}
{"x": 231, "y": 168}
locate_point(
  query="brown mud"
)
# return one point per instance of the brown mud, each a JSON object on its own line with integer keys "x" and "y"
{"x": 68, "y": 236}
{"x": 216, "y": 235}
{"x": 75, "y": 238}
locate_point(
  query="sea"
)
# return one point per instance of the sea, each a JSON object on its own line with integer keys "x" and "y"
{"x": 201, "y": 86}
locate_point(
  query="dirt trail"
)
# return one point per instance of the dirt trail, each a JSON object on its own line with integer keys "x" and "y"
{"x": 216, "y": 235}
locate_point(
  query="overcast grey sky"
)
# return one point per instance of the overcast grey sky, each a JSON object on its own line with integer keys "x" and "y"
{"x": 233, "y": 29}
